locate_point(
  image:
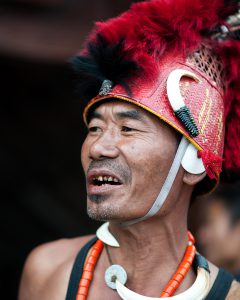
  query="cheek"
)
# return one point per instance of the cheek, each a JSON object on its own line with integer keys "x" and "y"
{"x": 149, "y": 164}
{"x": 220, "y": 230}
{"x": 84, "y": 155}
{"x": 147, "y": 151}
{"x": 233, "y": 243}
{"x": 218, "y": 244}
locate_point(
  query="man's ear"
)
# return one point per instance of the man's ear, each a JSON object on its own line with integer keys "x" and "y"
{"x": 192, "y": 179}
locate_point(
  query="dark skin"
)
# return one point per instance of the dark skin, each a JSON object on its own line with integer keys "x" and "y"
{"x": 220, "y": 238}
{"x": 123, "y": 141}
{"x": 137, "y": 148}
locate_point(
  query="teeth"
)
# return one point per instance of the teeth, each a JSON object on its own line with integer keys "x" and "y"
{"x": 106, "y": 179}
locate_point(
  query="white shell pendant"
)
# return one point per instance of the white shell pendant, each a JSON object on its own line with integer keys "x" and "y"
{"x": 198, "y": 291}
{"x": 113, "y": 273}
{"x": 191, "y": 163}
{"x": 105, "y": 236}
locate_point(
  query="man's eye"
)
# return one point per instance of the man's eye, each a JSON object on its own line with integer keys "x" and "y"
{"x": 127, "y": 129}
{"x": 93, "y": 129}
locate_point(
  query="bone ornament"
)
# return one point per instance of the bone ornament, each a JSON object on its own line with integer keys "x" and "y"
{"x": 116, "y": 276}
{"x": 105, "y": 235}
{"x": 190, "y": 162}
{"x": 115, "y": 273}
{"x": 198, "y": 291}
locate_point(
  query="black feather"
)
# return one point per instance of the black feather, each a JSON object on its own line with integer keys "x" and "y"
{"x": 103, "y": 61}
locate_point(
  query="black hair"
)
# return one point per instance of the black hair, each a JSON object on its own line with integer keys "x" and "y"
{"x": 229, "y": 195}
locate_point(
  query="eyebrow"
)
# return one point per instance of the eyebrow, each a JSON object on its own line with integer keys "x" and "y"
{"x": 94, "y": 115}
{"x": 128, "y": 114}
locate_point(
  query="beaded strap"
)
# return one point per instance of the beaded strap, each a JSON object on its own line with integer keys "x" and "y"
{"x": 181, "y": 272}
{"x": 88, "y": 270}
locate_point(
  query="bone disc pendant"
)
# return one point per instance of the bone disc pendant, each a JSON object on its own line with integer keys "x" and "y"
{"x": 115, "y": 272}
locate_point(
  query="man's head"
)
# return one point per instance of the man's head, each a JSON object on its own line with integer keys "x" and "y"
{"x": 174, "y": 60}
{"x": 220, "y": 235}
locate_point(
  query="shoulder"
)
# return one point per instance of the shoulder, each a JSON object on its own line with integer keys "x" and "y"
{"x": 47, "y": 269}
{"x": 234, "y": 292}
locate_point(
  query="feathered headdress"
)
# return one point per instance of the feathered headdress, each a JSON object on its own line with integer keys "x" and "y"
{"x": 132, "y": 56}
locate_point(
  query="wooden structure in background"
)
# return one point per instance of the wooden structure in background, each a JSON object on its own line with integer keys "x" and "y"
{"x": 50, "y": 29}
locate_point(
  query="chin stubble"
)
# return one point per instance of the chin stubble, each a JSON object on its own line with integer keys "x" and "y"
{"x": 103, "y": 213}
{"x": 98, "y": 198}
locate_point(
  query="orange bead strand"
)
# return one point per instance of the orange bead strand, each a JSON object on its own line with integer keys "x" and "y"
{"x": 182, "y": 270}
{"x": 88, "y": 270}
{"x": 168, "y": 291}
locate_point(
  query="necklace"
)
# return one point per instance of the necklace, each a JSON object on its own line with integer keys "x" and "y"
{"x": 88, "y": 270}
{"x": 197, "y": 291}
{"x": 182, "y": 270}
{"x": 116, "y": 271}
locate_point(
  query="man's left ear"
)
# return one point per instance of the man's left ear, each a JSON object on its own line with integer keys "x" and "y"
{"x": 192, "y": 179}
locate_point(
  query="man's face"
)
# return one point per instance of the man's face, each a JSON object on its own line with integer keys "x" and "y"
{"x": 218, "y": 237}
{"x": 126, "y": 157}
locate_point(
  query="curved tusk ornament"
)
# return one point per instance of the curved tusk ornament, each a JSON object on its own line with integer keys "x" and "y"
{"x": 190, "y": 162}
{"x": 198, "y": 291}
{"x": 173, "y": 87}
{"x": 176, "y": 100}
{"x": 105, "y": 235}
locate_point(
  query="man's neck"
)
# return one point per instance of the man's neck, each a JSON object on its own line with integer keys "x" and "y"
{"x": 233, "y": 266}
{"x": 151, "y": 251}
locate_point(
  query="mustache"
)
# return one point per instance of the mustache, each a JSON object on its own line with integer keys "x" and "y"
{"x": 114, "y": 166}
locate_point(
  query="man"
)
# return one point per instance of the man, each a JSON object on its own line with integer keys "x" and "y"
{"x": 156, "y": 130}
{"x": 219, "y": 236}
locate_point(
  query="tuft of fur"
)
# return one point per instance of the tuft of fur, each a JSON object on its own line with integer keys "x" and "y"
{"x": 129, "y": 45}
{"x": 103, "y": 61}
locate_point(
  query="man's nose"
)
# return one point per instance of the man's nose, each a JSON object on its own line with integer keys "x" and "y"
{"x": 106, "y": 146}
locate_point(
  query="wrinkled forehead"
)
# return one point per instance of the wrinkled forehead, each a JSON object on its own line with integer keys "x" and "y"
{"x": 120, "y": 110}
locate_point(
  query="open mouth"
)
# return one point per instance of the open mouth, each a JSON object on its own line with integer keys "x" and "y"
{"x": 105, "y": 180}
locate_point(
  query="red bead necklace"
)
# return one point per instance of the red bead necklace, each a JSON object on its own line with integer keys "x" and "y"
{"x": 168, "y": 291}
{"x": 88, "y": 270}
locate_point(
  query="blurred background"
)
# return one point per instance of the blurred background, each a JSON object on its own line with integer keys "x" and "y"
{"x": 215, "y": 221}
{"x": 42, "y": 183}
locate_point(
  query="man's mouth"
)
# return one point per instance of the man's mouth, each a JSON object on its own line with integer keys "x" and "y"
{"x": 104, "y": 180}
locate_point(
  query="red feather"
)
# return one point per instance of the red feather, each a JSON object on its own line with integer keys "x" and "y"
{"x": 151, "y": 27}
{"x": 230, "y": 54}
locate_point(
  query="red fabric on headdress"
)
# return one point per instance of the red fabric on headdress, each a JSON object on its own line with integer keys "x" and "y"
{"x": 212, "y": 163}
